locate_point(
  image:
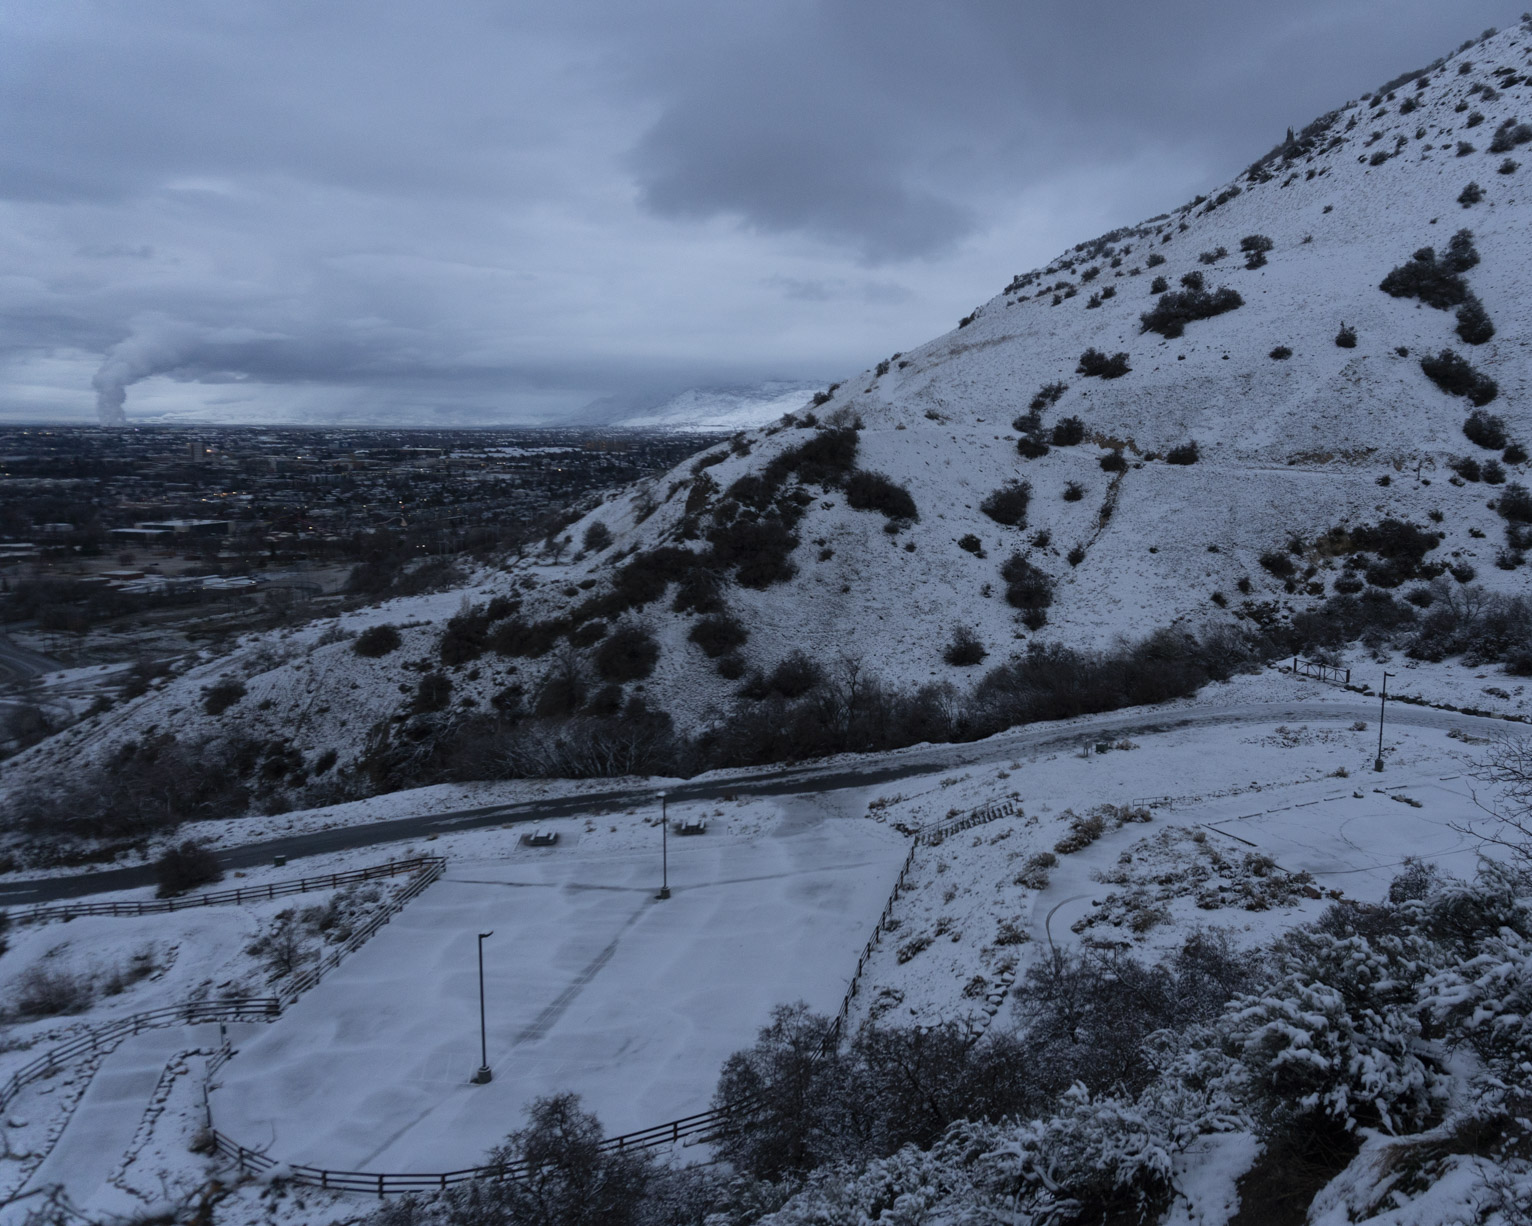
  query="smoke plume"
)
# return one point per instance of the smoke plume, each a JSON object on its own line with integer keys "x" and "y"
{"x": 157, "y": 344}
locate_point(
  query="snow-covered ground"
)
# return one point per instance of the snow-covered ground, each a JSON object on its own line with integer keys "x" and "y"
{"x": 592, "y": 986}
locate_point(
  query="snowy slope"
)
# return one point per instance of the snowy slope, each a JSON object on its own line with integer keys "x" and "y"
{"x": 1328, "y": 436}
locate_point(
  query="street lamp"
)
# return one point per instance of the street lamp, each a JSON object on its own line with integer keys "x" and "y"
{"x": 1383, "y": 699}
{"x": 664, "y": 852}
{"x": 483, "y": 1075}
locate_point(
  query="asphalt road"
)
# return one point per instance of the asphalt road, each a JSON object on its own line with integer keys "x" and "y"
{"x": 19, "y": 663}
{"x": 869, "y": 771}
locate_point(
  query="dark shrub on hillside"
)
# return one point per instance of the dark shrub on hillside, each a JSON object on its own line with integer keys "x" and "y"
{"x": 758, "y": 550}
{"x": 222, "y": 695}
{"x": 1095, "y": 363}
{"x": 1114, "y": 461}
{"x": 1280, "y": 354}
{"x": 1508, "y": 135}
{"x": 1515, "y": 503}
{"x": 465, "y": 638}
{"x": 793, "y": 677}
{"x": 1049, "y": 394}
{"x": 870, "y": 491}
{"x": 1178, "y": 308}
{"x": 1474, "y": 324}
{"x": 1213, "y": 256}
{"x": 1470, "y": 195}
{"x": 1026, "y": 587}
{"x": 516, "y": 638}
{"x": 1255, "y": 247}
{"x": 826, "y": 459}
{"x": 1028, "y": 423}
{"x": 587, "y": 634}
{"x": 1073, "y": 492}
{"x": 597, "y": 537}
{"x": 964, "y": 649}
{"x": 560, "y": 695}
{"x": 185, "y": 868}
{"x": 1436, "y": 283}
{"x": 1485, "y": 429}
{"x": 1346, "y": 337}
{"x": 1467, "y": 467}
{"x": 1344, "y": 618}
{"x": 1515, "y": 453}
{"x": 1396, "y": 540}
{"x": 432, "y": 693}
{"x": 1185, "y": 453}
{"x": 1008, "y": 504}
{"x": 1031, "y": 447}
{"x": 376, "y": 641}
{"x": 1068, "y": 431}
{"x": 1493, "y": 473}
{"x": 969, "y": 543}
{"x": 698, "y": 593}
{"x": 1159, "y": 285}
{"x": 1457, "y": 377}
{"x": 1193, "y": 280}
{"x": 1278, "y": 563}
{"x": 628, "y": 654}
{"x": 1155, "y": 259}
{"x": 719, "y": 635}
{"x": 141, "y": 787}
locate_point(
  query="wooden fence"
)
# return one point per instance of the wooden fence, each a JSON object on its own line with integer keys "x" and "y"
{"x": 244, "y": 894}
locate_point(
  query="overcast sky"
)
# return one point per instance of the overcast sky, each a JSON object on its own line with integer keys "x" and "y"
{"x": 320, "y": 210}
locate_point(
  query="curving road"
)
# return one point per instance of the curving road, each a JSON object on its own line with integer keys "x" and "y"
{"x": 861, "y": 772}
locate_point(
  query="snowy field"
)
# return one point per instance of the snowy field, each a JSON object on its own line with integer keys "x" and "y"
{"x": 592, "y": 986}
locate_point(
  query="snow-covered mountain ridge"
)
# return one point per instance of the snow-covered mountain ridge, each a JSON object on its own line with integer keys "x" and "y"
{"x": 1296, "y": 435}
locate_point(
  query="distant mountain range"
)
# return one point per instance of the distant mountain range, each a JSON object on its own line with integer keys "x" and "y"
{"x": 706, "y": 408}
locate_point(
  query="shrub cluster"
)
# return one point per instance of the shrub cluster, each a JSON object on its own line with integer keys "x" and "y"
{"x": 1097, "y": 364}
{"x": 1255, "y": 247}
{"x": 1008, "y": 504}
{"x": 1176, "y": 309}
{"x": 377, "y": 640}
{"x": 1486, "y": 430}
{"x": 1436, "y": 282}
{"x": 1068, "y": 431}
{"x": 870, "y": 491}
{"x": 1026, "y": 586}
{"x": 1457, "y": 377}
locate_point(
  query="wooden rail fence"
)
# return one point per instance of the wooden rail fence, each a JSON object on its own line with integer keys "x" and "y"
{"x": 243, "y": 894}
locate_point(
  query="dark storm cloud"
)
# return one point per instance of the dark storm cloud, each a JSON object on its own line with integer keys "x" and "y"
{"x": 881, "y": 123}
{"x": 494, "y": 207}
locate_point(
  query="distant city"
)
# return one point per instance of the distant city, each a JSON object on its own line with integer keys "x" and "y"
{"x": 101, "y": 525}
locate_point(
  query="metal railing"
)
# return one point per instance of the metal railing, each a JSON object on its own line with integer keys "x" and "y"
{"x": 235, "y": 897}
{"x": 1332, "y": 673}
{"x": 979, "y": 817}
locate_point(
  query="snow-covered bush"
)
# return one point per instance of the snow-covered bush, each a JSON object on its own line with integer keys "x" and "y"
{"x": 1008, "y": 504}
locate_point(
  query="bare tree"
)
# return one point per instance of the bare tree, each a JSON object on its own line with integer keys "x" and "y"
{"x": 1507, "y": 764}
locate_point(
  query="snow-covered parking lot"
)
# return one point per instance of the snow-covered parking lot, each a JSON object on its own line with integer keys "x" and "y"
{"x": 592, "y": 986}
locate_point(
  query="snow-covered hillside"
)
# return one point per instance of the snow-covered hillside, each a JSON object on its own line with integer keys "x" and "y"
{"x": 1296, "y": 434}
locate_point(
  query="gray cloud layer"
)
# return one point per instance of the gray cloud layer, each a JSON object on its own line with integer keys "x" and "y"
{"x": 492, "y": 211}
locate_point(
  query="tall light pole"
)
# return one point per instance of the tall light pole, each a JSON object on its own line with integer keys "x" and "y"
{"x": 664, "y": 852}
{"x": 483, "y": 1075}
{"x": 1382, "y": 701}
